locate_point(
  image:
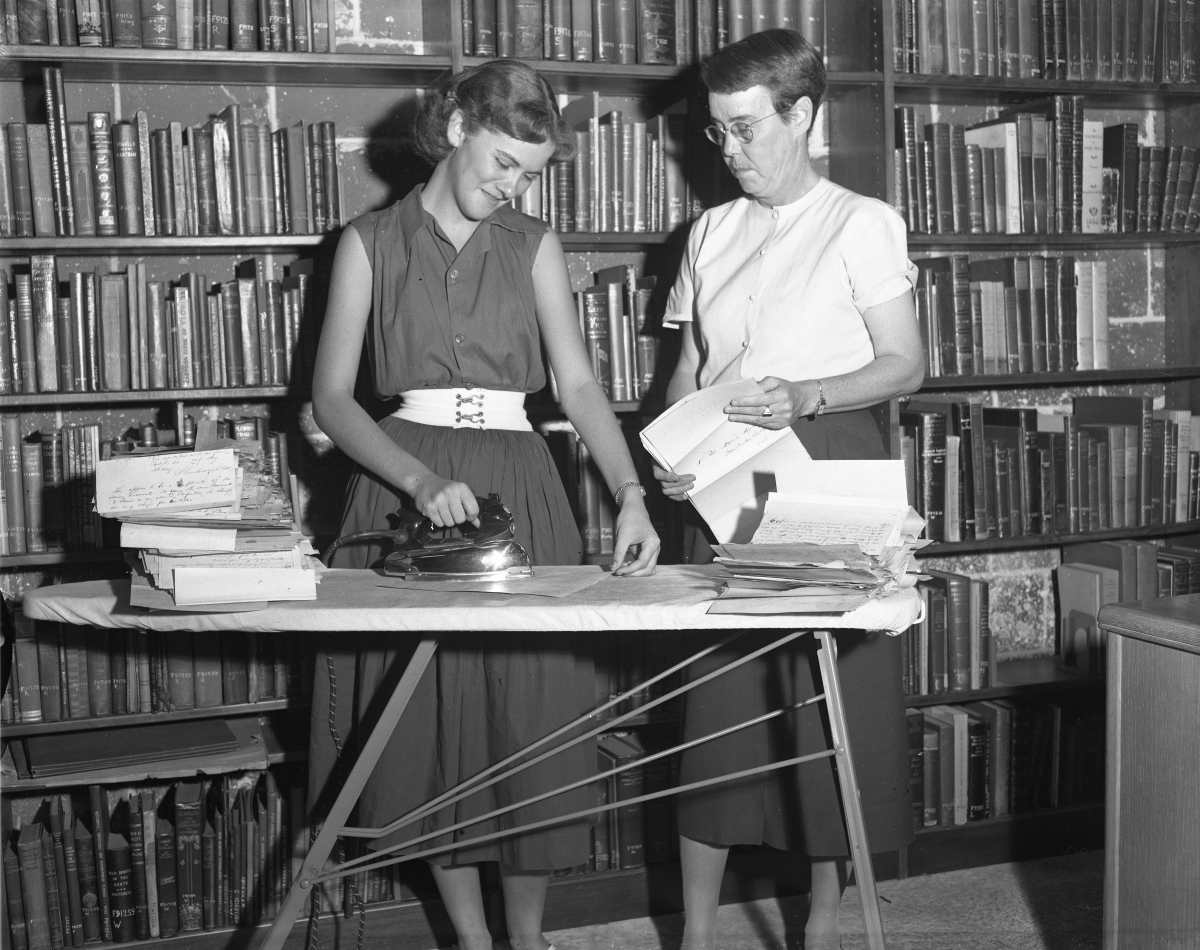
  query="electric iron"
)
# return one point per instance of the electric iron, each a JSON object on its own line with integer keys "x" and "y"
{"x": 486, "y": 552}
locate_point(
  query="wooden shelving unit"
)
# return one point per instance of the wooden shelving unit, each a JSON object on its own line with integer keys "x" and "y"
{"x": 1015, "y": 678}
{"x": 1084, "y": 377}
{"x": 139, "y": 396}
{"x": 1027, "y": 542}
{"x": 16, "y": 730}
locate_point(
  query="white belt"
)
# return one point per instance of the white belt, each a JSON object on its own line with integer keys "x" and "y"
{"x": 465, "y": 409}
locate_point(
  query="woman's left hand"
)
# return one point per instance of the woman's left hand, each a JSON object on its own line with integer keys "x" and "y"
{"x": 636, "y": 545}
{"x": 781, "y": 403}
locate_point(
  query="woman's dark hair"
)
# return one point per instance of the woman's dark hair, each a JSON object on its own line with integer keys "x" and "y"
{"x": 502, "y": 95}
{"x": 781, "y": 61}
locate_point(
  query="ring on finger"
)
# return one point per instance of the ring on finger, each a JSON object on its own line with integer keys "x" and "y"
{"x": 767, "y": 411}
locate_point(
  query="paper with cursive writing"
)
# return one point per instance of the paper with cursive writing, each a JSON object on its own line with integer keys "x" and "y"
{"x": 816, "y": 519}
{"x": 734, "y": 463}
{"x": 175, "y": 481}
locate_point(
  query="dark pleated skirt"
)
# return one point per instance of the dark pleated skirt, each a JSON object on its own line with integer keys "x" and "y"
{"x": 799, "y": 808}
{"x": 484, "y": 696}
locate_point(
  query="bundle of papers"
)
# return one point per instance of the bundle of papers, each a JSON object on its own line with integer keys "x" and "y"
{"x": 208, "y": 529}
{"x": 815, "y": 551}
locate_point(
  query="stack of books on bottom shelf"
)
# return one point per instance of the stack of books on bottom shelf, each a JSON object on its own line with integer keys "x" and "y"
{"x": 986, "y": 759}
{"x": 123, "y": 864}
{"x": 212, "y": 527}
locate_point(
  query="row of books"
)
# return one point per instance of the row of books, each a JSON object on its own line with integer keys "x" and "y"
{"x": 1010, "y": 315}
{"x": 658, "y": 32}
{"x": 1041, "y": 171}
{"x": 66, "y": 672}
{"x": 299, "y": 26}
{"x": 229, "y": 176}
{"x": 614, "y": 316}
{"x": 952, "y": 648}
{"x": 1110, "y": 462}
{"x": 1019, "y": 173}
{"x": 987, "y": 759}
{"x": 627, "y": 175}
{"x": 147, "y": 862}
{"x": 47, "y": 480}
{"x": 1089, "y": 40}
{"x": 117, "y": 332}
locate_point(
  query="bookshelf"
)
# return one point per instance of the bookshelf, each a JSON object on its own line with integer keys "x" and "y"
{"x": 1154, "y": 355}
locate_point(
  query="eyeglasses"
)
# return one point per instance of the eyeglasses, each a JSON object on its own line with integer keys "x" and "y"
{"x": 741, "y": 131}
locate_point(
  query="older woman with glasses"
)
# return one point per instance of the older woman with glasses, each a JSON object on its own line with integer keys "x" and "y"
{"x": 807, "y": 288}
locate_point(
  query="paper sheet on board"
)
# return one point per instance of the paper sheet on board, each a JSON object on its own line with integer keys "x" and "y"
{"x": 172, "y": 481}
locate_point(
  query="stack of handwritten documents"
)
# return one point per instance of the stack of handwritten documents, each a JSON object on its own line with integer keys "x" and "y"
{"x": 206, "y": 529}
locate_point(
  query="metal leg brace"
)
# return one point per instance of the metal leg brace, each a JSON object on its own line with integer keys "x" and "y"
{"x": 334, "y": 825}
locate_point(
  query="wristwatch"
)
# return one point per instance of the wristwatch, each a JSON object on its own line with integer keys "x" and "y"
{"x": 820, "y": 400}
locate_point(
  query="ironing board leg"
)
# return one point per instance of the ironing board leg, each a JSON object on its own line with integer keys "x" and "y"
{"x": 856, "y": 828}
{"x": 301, "y": 888}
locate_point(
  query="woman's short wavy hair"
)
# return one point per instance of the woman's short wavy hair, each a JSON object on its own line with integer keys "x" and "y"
{"x": 781, "y": 61}
{"x": 503, "y": 95}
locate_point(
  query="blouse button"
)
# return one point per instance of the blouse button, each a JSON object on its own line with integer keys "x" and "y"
{"x": 752, "y": 296}
{"x": 454, "y": 275}
{"x": 460, "y": 339}
{"x": 761, "y": 253}
{"x": 775, "y": 214}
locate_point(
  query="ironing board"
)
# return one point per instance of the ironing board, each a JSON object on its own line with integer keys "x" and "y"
{"x": 675, "y": 598}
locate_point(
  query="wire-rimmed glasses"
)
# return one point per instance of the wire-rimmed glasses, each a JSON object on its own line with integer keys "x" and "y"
{"x": 743, "y": 132}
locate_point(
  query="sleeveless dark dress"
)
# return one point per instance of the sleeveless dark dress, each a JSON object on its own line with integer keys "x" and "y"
{"x": 799, "y": 808}
{"x": 447, "y": 319}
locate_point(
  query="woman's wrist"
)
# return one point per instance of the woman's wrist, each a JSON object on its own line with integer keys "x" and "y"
{"x": 627, "y": 491}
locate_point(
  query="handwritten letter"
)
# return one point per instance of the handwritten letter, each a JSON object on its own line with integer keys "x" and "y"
{"x": 175, "y": 481}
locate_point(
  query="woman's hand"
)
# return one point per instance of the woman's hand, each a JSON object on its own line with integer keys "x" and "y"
{"x": 781, "y": 403}
{"x": 444, "y": 502}
{"x": 636, "y": 546}
{"x": 674, "y": 486}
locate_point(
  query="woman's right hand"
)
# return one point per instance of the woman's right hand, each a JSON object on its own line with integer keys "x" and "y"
{"x": 444, "y": 502}
{"x": 674, "y": 486}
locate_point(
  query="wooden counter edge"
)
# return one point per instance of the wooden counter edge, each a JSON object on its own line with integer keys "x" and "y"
{"x": 1168, "y": 621}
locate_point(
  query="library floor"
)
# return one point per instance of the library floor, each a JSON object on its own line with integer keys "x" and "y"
{"x": 1051, "y": 904}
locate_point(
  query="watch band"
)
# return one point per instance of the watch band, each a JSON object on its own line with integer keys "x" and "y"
{"x": 820, "y": 399}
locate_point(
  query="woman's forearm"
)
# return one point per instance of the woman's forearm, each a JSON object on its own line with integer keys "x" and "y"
{"x": 589, "y": 412}
{"x": 883, "y": 378}
{"x": 358, "y": 435}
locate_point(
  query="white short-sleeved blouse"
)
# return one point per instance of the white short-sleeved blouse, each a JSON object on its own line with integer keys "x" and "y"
{"x": 784, "y": 288}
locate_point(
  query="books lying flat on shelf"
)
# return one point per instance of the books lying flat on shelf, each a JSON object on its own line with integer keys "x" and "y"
{"x": 65, "y": 752}
{"x": 733, "y": 462}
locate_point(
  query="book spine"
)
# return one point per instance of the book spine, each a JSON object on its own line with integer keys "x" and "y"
{"x": 80, "y": 163}
{"x": 44, "y": 290}
{"x": 56, "y": 896}
{"x": 128, "y": 178}
{"x": 33, "y": 891}
{"x": 56, "y": 128}
{"x": 18, "y": 156}
{"x": 35, "y": 542}
{"x": 168, "y": 900}
{"x": 159, "y": 25}
{"x": 89, "y": 892}
{"x": 40, "y": 185}
{"x": 119, "y": 870}
{"x": 103, "y": 174}
{"x": 70, "y": 865}
{"x": 17, "y": 932}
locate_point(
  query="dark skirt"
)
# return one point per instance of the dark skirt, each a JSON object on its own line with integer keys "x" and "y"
{"x": 799, "y": 808}
{"x": 484, "y": 696}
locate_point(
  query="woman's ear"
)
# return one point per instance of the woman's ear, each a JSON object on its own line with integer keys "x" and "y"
{"x": 455, "y": 129}
{"x": 802, "y": 114}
